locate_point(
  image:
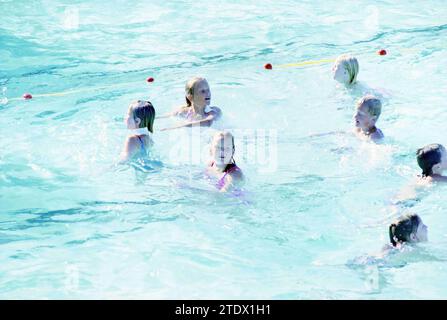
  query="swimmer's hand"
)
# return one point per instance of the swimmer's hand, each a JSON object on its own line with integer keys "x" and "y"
{"x": 233, "y": 181}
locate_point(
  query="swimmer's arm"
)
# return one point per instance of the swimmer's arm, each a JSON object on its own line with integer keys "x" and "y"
{"x": 169, "y": 114}
{"x": 130, "y": 147}
{"x": 204, "y": 122}
{"x": 174, "y": 113}
{"x": 408, "y": 193}
{"x": 327, "y": 134}
{"x": 166, "y": 115}
{"x": 412, "y": 192}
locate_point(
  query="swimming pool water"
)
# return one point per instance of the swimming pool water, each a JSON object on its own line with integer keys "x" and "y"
{"x": 73, "y": 225}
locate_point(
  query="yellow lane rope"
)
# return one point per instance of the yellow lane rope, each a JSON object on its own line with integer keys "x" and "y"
{"x": 64, "y": 93}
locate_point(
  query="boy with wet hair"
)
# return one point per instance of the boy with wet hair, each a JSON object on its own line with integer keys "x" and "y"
{"x": 367, "y": 113}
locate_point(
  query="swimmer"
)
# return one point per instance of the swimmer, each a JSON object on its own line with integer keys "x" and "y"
{"x": 222, "y": 163}
{"x": 407, "y": 229}
{"x": 367, "y": 113}
{"x": 432, "y": 159}
{"x": 346, "y": 69}
{"x": 404, "y": 232}
{"x": 140, "y": 121}
{"x": 197, "y": 110}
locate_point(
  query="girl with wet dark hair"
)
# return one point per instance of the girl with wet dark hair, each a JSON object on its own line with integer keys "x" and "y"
{"x": 432, "y": 159}
{"x": 408, "y": 228}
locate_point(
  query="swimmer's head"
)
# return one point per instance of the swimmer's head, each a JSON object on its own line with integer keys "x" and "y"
{"x": 367, "y": 112}
{"x": 197, "y": 92}
{"x": 432, "y": 159}
{"x": 141, "y": 114}
{"x": 346, "y": 69}
{"x": 408, "y": 228}
{"x": 222, "y": 148}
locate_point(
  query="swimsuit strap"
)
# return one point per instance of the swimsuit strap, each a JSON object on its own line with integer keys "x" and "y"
{"x": 142, "y": 143}
{"x": 228, "y": 169}
{"x": 231, "y": 167}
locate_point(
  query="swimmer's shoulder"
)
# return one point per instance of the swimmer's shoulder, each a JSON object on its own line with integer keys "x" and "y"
{"x": 134, "y": 142}
{"x": 236, "y": 174}
{"x": 439, "y": 178}
{"x": 216, "y": 112}
{"x": 378, "y": 135}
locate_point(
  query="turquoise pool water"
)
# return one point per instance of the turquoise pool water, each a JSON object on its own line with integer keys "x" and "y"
{"x": 72, "y": 225}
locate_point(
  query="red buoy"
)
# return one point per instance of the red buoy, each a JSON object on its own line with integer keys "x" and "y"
{"x": 27, "y": 96}
{"x": 382, "y": 52}
{"x": 150, "y": 79}
{"x": 268, "y": 66}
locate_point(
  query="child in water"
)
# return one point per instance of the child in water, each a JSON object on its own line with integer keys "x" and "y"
{"x": 367, "y": 113}
{"x": 197, "y": 110}
{"x": 222, "y": 163}
{"x": 432, "y": 159}
{"x": 140, "y": 121}
{"x": 408, "y": 228}
{"x": 346, "y": 69}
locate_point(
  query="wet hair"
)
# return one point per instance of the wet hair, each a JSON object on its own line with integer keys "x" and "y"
{"x": 372, "y": 104}
{"x": 401, "y": 230}
{"x": 143, "y": 110}
{"x": 351, "y": 64}
{"x": 428, "y": 156}
{"x": 189, "y": 88}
